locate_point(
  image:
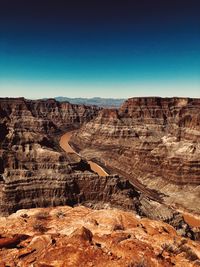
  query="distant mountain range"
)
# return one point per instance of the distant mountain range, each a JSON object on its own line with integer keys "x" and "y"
{"x": 98, "y": 101}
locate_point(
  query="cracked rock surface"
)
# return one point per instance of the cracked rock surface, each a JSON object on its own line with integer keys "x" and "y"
{"x": 79, "y": 236}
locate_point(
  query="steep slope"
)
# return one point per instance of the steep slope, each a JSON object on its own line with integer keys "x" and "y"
{"x": 81, "y": 237}
{"x": 35, "y": 172}
{"x": 153, "y": 142}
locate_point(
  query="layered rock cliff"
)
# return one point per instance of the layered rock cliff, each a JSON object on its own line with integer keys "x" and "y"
{"x": 43, "y": 116}
{"x": 154, "y": 142}
{"x": 81, "y": 237}
{"x": 35, "y": 172}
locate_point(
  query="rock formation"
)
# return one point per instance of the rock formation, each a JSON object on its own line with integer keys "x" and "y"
{"x": 154, "y": 143}
{"x": 35, "y": 172}
{"x": 151, "y": 145}
{"x": 81, "y": 237}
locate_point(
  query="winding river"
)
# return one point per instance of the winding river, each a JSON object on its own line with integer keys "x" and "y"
{"x": 64, "y": 143}
{"x": 192, "y": 220}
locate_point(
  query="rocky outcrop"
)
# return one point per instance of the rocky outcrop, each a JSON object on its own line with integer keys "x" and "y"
{"x": 82, "y": 237}
{"x": 153, "y": 142}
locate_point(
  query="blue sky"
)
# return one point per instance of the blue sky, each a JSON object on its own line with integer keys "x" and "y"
{"x": 120, "y": 49}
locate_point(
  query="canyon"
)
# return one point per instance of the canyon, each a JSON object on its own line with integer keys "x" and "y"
{"x": 36, "y": 172}
{"x": 154, "y": 143}
{"x": 136, "y": 162}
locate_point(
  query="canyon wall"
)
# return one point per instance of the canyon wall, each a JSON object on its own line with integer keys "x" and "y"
{"x": 154, "y": 142}
{"x": 150, "y": 147}
{"x": 35, "y": 172}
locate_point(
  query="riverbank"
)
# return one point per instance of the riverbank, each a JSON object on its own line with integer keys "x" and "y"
{"x": 64, "y": 143}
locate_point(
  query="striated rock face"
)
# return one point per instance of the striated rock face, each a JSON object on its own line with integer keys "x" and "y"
{"x": 35, "y": 172}
{"x": 82, "y": 237}
{"x": 61, "y": 188}
{"x": 154, "y": 142}
{"x": 43, "y": 116}
{"x": 27, "y": 127}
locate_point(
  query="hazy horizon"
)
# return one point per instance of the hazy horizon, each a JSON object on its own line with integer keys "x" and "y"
{"x": 44, "y": 91}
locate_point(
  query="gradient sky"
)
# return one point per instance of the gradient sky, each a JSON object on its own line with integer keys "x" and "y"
{"x": 99, "y": 48}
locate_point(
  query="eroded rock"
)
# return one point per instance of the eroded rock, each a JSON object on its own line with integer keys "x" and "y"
{"x": 75, "y": 240}
{"x": 153, "y": 142}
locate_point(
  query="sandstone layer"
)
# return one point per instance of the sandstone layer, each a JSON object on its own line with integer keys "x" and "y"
{"x": 81, "y": 237}
{"x": 154, "y": 142}
{"x": 35, "y": 172}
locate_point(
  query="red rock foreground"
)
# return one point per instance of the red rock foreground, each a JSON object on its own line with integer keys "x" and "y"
{"x": 65, "y": 236}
